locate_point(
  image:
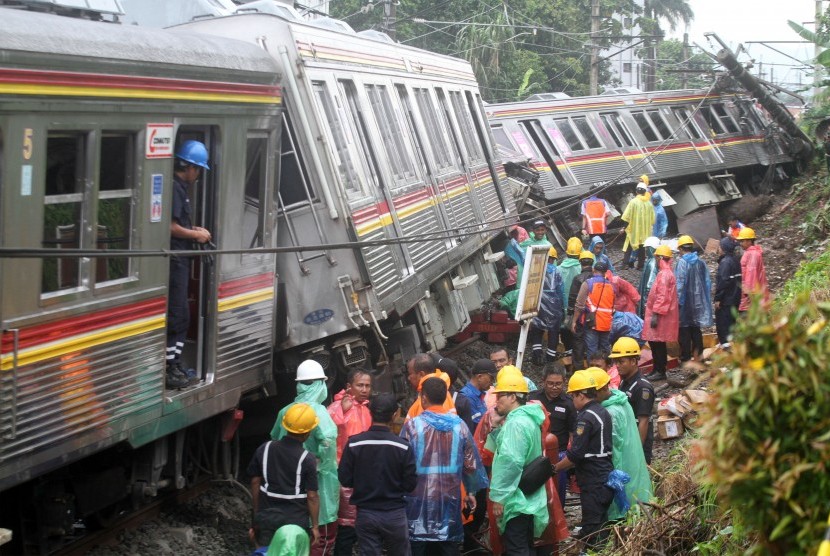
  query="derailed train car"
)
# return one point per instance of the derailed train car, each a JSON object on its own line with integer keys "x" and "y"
{"x": 90, "y": 114}
{"x": 703, "y": 147}
{"x": 383, "y": 150}
{"x": 382, "y": 142}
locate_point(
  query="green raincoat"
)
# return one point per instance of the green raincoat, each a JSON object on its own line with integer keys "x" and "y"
{"x": 640, "y": 217}
{"x": 569, "y": 269}
{"x": 627, "y": 452}
{"x": 518, "y": 443}
{"x": 322, "y": 443}
{"x": 289, "y": 540}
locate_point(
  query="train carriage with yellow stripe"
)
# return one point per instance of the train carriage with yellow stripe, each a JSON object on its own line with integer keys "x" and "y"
{"x": 386, "y": 146}
{"x": 90, "y": 117}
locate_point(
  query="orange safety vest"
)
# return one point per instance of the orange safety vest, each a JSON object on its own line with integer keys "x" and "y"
{"x": 595, "y": 215}
{"x": 601, "y": 302}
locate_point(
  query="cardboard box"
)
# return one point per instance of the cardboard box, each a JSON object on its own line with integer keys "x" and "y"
{"x": 669, "y": 427}
{"x": 662, "y": 407}
{"x": 712, "y": 245}
{"x": 697, "y": 398}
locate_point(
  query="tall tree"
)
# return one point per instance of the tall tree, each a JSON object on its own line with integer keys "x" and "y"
{"x": 655, "y": 11}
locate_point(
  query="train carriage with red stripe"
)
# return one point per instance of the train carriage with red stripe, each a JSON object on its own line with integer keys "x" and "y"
{"x": 90, "y": 117}
{"x": 386, "y": 146}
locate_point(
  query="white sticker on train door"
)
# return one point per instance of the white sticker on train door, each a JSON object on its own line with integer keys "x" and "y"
{"x": 155, "y": 197}
{"x": 159, "y": 141}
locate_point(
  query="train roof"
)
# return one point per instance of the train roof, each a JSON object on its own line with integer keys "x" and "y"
{"x": 317, "y": 44}
{"x": 34, "y": 39}
{"x": 509, "y": 110}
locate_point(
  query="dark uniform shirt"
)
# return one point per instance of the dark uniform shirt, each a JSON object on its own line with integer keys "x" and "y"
{"x": 181, "y": 214}
{"x": 590, "y": 450}
{"x": 640, "y": 394}
{"x": 579, "y": 279}
{"x": 562, "y": 416}
{"x": 280, "y": 463}
{"x": 380, "y": 467}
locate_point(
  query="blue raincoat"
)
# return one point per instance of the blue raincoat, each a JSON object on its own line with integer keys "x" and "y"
{"x": 602, "y": 257}
{"x": 552, "y": 306}
{"x": 445, "y": 455}
{"x": 626, "y": 324}
{"x": 322, "y": 443}
{"x": 661, "y": 221}
{"x": 694, "y": 291}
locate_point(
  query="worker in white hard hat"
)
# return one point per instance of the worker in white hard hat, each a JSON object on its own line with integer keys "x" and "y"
{"x": 322, "y": 444}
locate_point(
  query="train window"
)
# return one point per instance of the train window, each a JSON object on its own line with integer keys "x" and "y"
{"x": 391, "y": 134}
{"x": 359, "y": 126}
{"x": 116, "y": 179}
{"x": 446, "y": 117}
{"x": 295, "y": 188}
{"x": 687, "y": 122}
{"x": 465, "y": 122}
{"x": 645, "y": 126}
{"x": 501, "y": 137}
{"x": 725, "y": 118}
{"x": 66, "y": 173}
{"x": 659, "y": 124}
{"x": 568, "y": 133}
{"x": 712, "y": 120}
{"x": 256, "y": 160}
{"x": 588, "y": 135}
{"x": 617, "y": 128}
{"x": 435, "y": 134}
{"x": 345, "y": 165}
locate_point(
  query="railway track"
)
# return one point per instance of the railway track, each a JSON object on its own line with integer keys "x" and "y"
{"x": 132, "y": 520}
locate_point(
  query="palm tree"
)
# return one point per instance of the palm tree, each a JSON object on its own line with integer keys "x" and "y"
{"x": 670, "y": 11}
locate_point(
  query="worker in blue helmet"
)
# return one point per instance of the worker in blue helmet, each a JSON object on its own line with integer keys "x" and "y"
{"x": 191, "y": 158}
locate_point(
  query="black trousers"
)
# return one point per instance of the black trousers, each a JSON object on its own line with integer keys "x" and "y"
{"x": 641, "y": 256}
{"x": 578, "y": 355}
{"x": 534, "y": 338}
{"x": 178, "y": 311}
{"x": 660, "y": 353}
{"x": 595, "y": 500}
{"x": 442, "y": 548}
{"x": 517, "y": 538}
{"x": 346, "y": 539}
{"x": 690, "y": 339}
{"x": 723, "y": 322}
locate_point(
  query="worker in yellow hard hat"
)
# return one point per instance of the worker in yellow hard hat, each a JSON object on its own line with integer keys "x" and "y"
{"x": 519, "y": 517}
{"x": 273, "y": 488}
{"x": 626, "y": 354}
{"x": 661, "y": 320}
{"x": 590, "y": 453}
{"x": 753, "y": 271}
{"x": 694, "y": 298}
{"x": 628, "y": 450}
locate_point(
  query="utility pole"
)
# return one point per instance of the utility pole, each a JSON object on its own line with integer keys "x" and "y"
{"x": 684, "y": 80}
{"x": 389, "y": 17}
{"x": 818, "y": 72}
{"x": 593, "y": 85}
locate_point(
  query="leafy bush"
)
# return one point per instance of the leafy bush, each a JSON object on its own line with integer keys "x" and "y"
{"x": 766, "y": 444}
{"x": 812, "y": 279}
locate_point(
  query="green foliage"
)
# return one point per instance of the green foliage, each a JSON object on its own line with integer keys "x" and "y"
{"x": 766, "y": 445}
{"x": 811, "y": 279}
{"x": 670, "y": 56}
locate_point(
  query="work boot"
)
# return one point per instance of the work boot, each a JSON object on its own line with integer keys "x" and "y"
{"x": 537, "y": 357}
{"x": 656, "y": 376}
{"x": 175, "y": 379}
{"x": 190, "y": 373}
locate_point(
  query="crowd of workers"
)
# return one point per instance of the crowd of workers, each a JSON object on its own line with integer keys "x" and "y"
{"x": 491, "y": 464}
{"x": 587, "y": 305}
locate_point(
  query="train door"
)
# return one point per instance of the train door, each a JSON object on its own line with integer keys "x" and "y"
{"x": 689, "y": 128}
{"x": 202, "y": 273}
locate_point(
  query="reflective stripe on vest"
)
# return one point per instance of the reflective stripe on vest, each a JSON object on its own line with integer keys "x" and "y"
{"x": 601, "y": 302}
{"x": 595, "y": 215}
{"x": 264, "y": 487}
{"x": 602, "y": 453}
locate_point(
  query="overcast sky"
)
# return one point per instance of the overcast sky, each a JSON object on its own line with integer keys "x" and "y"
{"x": 745, "y": 21}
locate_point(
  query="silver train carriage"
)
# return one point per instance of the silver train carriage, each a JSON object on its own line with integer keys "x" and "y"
{"x": 381, "y": 142}
{"x": 90, "y": 115}
{"x": 703, "y": 147}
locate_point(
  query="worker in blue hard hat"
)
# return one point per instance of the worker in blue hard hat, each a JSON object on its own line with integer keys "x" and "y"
{"x": 191, "y": 158}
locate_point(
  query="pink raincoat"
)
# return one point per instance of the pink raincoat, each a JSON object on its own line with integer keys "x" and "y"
{"x": 627, "y": 297}
{"x": 662, "y": 301}
{"x": 753, "y": 276}
{"x": 354, "y": 421}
